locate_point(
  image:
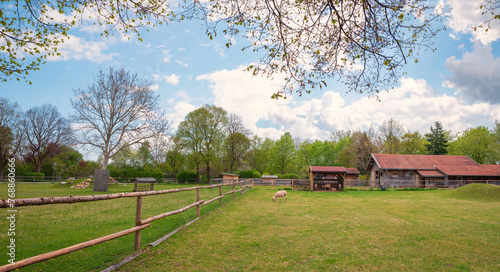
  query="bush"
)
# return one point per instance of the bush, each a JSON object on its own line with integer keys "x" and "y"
{"x": 186, "y": 177}
{"x": 290, "y": 176}
{"x": 248, "y": 173}
{"x": 256, "y": 174}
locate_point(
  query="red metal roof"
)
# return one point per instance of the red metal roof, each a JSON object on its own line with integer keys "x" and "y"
{"x": 467, "y": 170}
{"x": 352, "y": 171}
{"x": 430, "y": 173}
{"x": 419, "y": 162}
{"x": 328, "y": 169}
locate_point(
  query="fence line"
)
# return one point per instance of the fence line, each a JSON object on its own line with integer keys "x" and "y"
{"x": 140, "y": 224}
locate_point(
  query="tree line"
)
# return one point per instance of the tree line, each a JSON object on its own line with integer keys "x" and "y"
{"x": 119, "y": 117}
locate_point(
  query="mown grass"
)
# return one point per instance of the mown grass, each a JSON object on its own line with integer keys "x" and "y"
{"x": 41, "y": 229}
{"x": 348, "y": 231}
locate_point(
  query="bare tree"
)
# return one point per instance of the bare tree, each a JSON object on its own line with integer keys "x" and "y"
{"x": 390, "y": 135}
{"x": 237, "y": 141}
{"x": 45, "y": 129}
{"x": 10, "y": 134}
{"x": 364, "y": 43}
{"x": 116, "y": 111}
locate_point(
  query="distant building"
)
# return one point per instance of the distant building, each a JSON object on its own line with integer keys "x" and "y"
{"x": 392, "y": 170}
{"x": 230, "y": 178}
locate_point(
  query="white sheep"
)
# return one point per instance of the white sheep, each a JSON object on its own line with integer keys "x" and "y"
{"x": 280, "y": 194}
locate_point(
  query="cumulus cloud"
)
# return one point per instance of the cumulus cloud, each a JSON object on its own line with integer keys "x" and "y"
{"x": 466, "y": 14}
{"x": 76, "y": 48}
{"x": 415, "y": 104}
{"x": 172, "y": 79}
{"x": 476, "y": 76}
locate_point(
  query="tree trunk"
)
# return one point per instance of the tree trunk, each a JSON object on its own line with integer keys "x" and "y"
{"x": 208, "y": 172}
{"x": 105, "y": 161}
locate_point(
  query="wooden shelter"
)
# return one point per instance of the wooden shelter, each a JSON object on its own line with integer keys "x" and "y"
{"x": 144, "y": 184}
{"x": 230, "y": 178}
{"x": 327, "y": 178}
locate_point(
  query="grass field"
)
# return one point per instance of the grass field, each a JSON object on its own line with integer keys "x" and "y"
{"x": 42, "y": 229}
{"x": 439, "y": 230}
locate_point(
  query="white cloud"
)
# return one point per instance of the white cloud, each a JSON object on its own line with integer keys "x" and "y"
{"x": 466, "y": 14}
{"x": 476, "y": 76}
{"x": 166, "y": 55}
{"x": 76, "y": 48}
{"x": 182, "y": 63}
{"x": 415, "y": 104}
{"x": 172, "y": 79}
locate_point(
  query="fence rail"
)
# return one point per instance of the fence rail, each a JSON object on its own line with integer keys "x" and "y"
{"x": 140, "y": 223}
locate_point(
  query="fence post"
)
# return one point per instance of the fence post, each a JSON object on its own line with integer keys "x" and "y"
{"x": 220, "y": 193}
{"x": 138, "y": 217}
{"x": 232, "y": 189}
{"x": 197, "y": 199}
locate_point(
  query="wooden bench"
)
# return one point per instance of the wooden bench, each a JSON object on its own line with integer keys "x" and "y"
{"x": 144, "y": 184}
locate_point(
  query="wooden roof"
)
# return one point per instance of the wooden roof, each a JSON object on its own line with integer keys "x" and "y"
{"x": 353, "y": 171}
{"x": 327, "y": 169}
{"x": 145, "y": 180}
{"x": 430, "y": 173}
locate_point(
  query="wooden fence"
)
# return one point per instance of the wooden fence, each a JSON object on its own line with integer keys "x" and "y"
{"x": 140, "y": 223}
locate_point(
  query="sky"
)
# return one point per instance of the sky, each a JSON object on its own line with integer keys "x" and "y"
{"x": 457, "y": 85}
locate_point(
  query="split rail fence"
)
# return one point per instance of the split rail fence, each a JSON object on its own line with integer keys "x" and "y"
{"x": 140, "y": 223}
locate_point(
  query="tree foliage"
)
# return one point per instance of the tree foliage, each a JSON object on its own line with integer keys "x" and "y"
{"x": 437, "y": 140}
{"x": 31, "y": 31}
{"x": 202, "y": 133}
{"x": 479, "y": 144}
{"x": 363, "y": 43}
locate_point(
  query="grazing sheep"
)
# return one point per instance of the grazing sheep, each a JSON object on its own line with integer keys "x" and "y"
{"x": 280, "y": 194}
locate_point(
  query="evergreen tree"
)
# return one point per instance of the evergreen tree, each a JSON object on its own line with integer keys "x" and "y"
{"x": 437, "y": 141}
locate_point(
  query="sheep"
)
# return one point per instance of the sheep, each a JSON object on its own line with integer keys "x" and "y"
{"x": 280, "y": 194}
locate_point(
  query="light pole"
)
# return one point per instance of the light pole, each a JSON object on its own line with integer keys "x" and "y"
{"x": 54, "y": 171}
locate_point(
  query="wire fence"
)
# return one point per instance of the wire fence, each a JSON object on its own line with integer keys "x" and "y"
{"x": 40, "y": 229}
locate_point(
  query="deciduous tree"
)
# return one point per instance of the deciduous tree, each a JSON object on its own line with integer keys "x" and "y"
{"x": 45, "y": 129}
{"x": 10, "y": 133}
{"x": 479, "y": 144}
{"x": 203, "y": 133}
{"x": 116, "y": 111}
{"x": 237, "y": 141}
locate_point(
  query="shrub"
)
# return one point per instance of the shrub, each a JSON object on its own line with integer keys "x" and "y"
{"x": 37, "y": 176}
{"x": 248, "y": 173}
{"x": 186, "y": 176}
{"x": 290, "y": 176}
{"x": 256, "y": 174}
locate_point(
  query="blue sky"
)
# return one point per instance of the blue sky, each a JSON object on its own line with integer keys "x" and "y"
{"x": 458, "y": 85}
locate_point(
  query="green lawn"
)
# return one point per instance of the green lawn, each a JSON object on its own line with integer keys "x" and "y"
{"x": 353, "y": 231}
{"x": 41, "y": 229}
{"x": 436, "y": 230}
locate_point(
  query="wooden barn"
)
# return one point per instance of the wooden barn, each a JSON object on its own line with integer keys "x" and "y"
{"x": 393, "y": 170}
